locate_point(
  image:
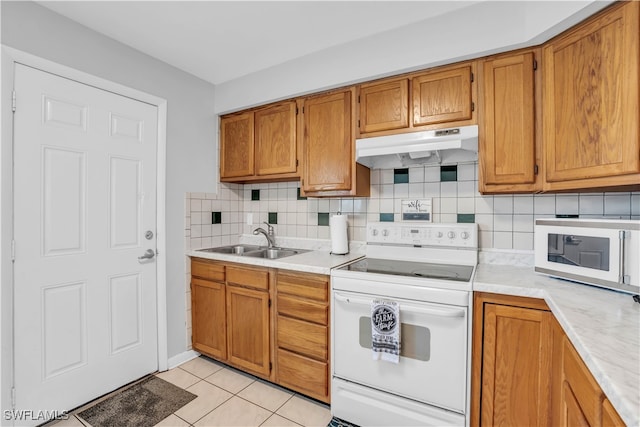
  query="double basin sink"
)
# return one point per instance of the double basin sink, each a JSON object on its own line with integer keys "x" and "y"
{"x": 255, "y": 251}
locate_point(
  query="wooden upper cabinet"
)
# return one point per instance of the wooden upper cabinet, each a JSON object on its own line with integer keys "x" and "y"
{"x": 507, "y": 136}
{"x": 275, "y": 139}
{"x": 591, "y": 101}
{"x": 330, "y": 168}
{"x": 236, "y": 145}
{"x": 259, "y": 145}
{"x": 384, "y": 105}
{"x": 442, "y": 96}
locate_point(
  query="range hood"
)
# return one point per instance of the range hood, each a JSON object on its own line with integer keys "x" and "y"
{"x": 441, "y": 146}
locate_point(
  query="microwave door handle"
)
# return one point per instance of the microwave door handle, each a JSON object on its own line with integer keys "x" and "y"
{"x": 622, "y": 278}
{"x": 430, "y": 311}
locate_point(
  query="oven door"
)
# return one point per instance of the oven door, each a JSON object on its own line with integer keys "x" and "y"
{"x": 433, "y": 358}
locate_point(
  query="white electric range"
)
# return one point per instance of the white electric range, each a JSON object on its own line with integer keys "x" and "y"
{"x": 428, "y": 270}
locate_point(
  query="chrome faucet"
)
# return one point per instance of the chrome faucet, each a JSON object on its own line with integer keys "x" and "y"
{"x": 270, "y": 235}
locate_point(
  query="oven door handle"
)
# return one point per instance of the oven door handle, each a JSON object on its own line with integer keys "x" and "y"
{"x": 415, "y": 309}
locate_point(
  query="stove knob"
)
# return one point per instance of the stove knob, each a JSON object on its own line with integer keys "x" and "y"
{"x": 451, "y": 234}
{"x": 385, "y": 232}
{"x": 464, "y": 235}
{"x": 439, "y": 234}
{"x": 374, "y": 232}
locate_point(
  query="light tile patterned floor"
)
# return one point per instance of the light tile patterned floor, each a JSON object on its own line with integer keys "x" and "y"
{"x": 227, "y": 397}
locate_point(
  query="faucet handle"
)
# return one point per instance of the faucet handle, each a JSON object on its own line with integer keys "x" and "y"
{"x": 269, "y": 228}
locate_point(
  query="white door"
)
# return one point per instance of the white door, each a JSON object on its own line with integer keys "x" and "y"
{"x": 85, "y": 314}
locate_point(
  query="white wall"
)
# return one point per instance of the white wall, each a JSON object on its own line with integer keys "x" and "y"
{"x": 191, "y": 132}
{"x": 481, "y": 29}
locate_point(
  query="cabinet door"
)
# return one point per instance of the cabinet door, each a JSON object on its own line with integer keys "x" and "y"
{"x": 275, "y": 139}
{"x": 572, "y": 414}
{"x": 516, "y": 366}
{"x": 248, "y": 329}
{"x": 610, "y": 417}
{"x": 384, "y": 106}
{"x": 208, "y": 318}
{"x": 236, "y": 145}
{"x": 591, "y": 99}
{"x": 328, "y": 142}
{"x": 442, "y": 96}
{"x": 507, "y": 128}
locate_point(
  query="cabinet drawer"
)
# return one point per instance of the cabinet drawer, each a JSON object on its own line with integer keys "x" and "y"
{"x": 303, "y": 309}
{"x": 258, "y": 279}
{"x": 207, "y": 270}
{"x": 303, "y": 374}
{"x": 304, "y": 285}
{"x": 302, "y": 337}
{"x": 587, "y": 392}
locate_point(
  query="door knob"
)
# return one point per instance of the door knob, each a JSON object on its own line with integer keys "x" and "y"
{"x": 149, "y": 254}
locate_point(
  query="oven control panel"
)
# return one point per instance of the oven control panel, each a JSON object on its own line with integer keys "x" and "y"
{"x": 432, "y": 234}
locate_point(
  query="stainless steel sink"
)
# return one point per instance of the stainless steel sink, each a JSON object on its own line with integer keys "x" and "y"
{"x": 233, "y": 249}
{"x": 254, "y": 251}
{"x": 274, "y": 253}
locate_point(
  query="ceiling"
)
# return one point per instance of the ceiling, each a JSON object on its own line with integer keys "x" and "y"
{"x": 220, "y": 41}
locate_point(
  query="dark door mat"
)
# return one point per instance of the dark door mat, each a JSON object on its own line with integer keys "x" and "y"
{"x": 337, "y": 422}
{"x": 143, "y": 404}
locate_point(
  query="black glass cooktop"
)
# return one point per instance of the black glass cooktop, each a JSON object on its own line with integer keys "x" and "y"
{"x": 458, "y": 273}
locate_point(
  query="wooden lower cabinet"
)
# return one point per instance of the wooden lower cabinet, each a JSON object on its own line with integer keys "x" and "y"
{"x": 248, "y": 329}
{"x": 235, "y": 322}
{"x": 512, "y": 365}
{"x": 231, "y": 314}
{"x": 525, "y": 372}
{"x": 578, "y": 399}
{"x": 302, "y": 333}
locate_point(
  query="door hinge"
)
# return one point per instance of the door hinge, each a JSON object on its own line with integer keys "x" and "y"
{"x": 535, "y": 65}
{"x": 296, "y": 111}
{"x": 270, "y": 366}
{"x": 473, "y": 106}
{"x": 13, "y": 250}
{"x": 13, "y": 101}
{"x": 472, "y": 77}
{"x": 358, "y": 123}
{"x": 269, "y": 302}
{"x": 297, "y": 162}
{"x": 13, "y": 397}
{"x": 535, "y": 169}
{"x": 358, "y": 99}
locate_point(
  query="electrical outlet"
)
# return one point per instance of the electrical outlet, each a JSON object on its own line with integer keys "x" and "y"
{"x": 250, "y": 219}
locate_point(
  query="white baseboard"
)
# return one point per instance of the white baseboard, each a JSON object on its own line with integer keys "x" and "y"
{"x": 179, "y": 359}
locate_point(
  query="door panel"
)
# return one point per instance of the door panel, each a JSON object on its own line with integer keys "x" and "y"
{"x": 85, "y": 193}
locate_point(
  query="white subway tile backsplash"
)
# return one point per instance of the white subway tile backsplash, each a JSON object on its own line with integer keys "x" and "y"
{"x": 523, "y": 204}
{"x": 544, "y": 205}
{"x": 401, "y": 191}
{"x": 467, "y": 172}
{"x": 502, "y": 240}
{"x": 503, "y": 222}
{"x": 523, "y": 241}
{"x": 449, "y": 189}
{"x": 617, "y": 204}
{"x": 449, "y": 205}
{"x": 484, "y": 205}
{"x": 416, "y": 174}
{"x": 386, "y": 176}
{"x": 432, "y": 174}
{"x": 567, "y": 204}
{"x": 523, "y": 223}
{"x": 432, "y": 189}
{"x": 503, "y": 204}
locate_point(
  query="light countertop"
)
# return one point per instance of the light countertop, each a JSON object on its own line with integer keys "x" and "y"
{"x": 317, "y": 261}
{"x": 603, "y": 326}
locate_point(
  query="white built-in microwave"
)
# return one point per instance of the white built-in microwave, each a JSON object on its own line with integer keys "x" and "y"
{"x": 598, "y": 252}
